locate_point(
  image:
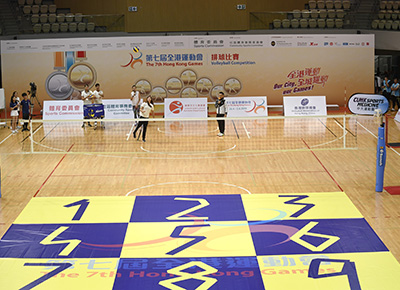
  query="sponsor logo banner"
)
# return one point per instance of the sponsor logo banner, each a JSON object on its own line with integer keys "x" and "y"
{"x": 366, "y": 104}
{"x": 62, "y": 110}
{"x": 247, "y": 106}
{"x": 118, "y": 109}
{"x": 185, "y": 108}
{"x": 305, "y": 106}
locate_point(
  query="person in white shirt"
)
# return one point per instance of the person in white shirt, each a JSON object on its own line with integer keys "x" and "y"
{"x": 145, "y": 110}
{"x": 87, "y": 97}
{"x": 19, "y": 102}
{"x": 98, "y": 96}
{"x": 135, "y": 98}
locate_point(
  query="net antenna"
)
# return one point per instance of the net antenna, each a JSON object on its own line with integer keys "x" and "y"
{"x": 378, "y": 117}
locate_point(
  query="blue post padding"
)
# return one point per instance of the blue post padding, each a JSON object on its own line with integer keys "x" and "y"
{"x": 380, "y": 159}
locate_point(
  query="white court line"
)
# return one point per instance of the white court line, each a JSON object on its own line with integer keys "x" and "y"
{"x": 247, "y": 132}
{"x": 376, "y": 137}
{"x": 191, "y": 153}
{"x": 161, "y": 131}
{"x": 130, "y": 131}
{"x": 6, "y": 138}
{"x": 37, "y": 129}
{"x": 48, "y": 147}
{"x": 186, "y": 182}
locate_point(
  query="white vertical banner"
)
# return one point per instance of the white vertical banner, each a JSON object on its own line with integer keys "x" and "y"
{"x": 247, "y": 106}
{"x": 305, "y": 106}
{"x": 185, "y": 108}
{"x": 2, "y": 99}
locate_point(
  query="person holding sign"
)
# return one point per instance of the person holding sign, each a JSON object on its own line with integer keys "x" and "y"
{"x": 98, "y": 96}
{"x": 145, "y": 110}
{"x": 222, "y": 111}
{"x": 87, "y": 97}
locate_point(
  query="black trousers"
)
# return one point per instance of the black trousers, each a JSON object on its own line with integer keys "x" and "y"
{"x": 396, "y": 100}
{"x": 136, "y": 112}
{"x": 25, "y": 116}
{"x": 221, "y": 123}
{"x": 140, "y": 124}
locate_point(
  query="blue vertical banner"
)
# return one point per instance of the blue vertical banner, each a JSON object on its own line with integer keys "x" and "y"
{"x": 380, "y": 158}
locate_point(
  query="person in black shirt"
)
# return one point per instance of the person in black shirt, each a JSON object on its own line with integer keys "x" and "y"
{"x": 25, "y": 104}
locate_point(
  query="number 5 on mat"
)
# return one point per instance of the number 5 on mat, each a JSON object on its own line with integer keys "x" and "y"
{"x": 176, "y": 234}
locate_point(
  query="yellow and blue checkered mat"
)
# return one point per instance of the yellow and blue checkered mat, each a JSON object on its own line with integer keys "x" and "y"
{"x": 263, "y": 241}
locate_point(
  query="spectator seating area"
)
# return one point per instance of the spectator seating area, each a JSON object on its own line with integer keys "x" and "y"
{"x": 47, "y": 18}
{"x": 388, "y": 17}
{"x": 319, "y": 14}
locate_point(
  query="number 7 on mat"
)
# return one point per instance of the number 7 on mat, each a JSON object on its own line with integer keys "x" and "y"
{"x": 60, "y": 267}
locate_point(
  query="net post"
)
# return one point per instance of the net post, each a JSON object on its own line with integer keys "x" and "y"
{"x": 31, "y": 131}
{"x": 386, "y": 130}
{"x": 344, "y": 131}
{"x": 380, "y": 154}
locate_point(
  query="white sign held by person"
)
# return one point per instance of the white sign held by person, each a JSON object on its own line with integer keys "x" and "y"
{"x": 63, "y": 110}
{"x": 247, "y": 106}
{"x": 118, "y": 109}
{"x": 305, "y": 106}
{"x": 185, "y": 108}
{"x": 397, "y": 117}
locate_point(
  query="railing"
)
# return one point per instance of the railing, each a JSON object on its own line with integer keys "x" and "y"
{"x": 350, "y": 19}
{"x": 107, "y": 22}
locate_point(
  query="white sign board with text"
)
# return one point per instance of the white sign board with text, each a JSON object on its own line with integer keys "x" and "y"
{"x": 397, "y": 117}
{"x": 118, "y": 109}
{"x": 247, "y": 106}
{"x": 63, "y": 110}
{"x": 305, "y": 106}
{"x": 2, "y": 99}
{"x": 185, "y": 108}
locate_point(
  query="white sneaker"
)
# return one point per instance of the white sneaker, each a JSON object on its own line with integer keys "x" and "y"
{"x": 14, "y": 131}
{"x": 19, "y": 127}
{"x": 220, "y": 135}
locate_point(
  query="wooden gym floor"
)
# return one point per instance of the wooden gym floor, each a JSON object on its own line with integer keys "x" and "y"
{"x": 24, "y": 176}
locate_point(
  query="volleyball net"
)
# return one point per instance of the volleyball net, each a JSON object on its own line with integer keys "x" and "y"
{"x": 194, "y": 136}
